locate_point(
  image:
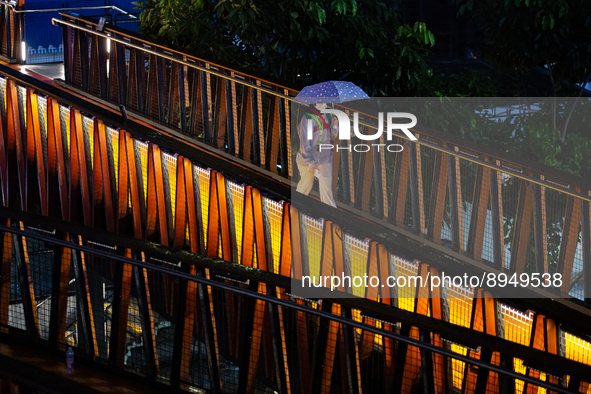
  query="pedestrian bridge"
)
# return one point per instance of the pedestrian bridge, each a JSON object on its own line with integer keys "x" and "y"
{"x": 163, "y": 244}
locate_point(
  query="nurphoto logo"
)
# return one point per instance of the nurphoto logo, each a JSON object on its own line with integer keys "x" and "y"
{"x": 345, "y": 131}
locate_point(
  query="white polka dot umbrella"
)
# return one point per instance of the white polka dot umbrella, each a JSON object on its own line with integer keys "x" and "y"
{"x": 331, "y": 92}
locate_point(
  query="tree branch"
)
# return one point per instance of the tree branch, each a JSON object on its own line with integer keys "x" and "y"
{"x": 563, "y": 137}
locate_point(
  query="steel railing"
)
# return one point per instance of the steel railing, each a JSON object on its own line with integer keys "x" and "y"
{"x": 437, "y": 187}
{"x": 102, "y": 186}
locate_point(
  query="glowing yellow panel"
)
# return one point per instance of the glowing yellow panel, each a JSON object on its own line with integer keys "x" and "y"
{"x": 42, "y": 104}
{"x": 204, "y": 176}
{"x": 275, "y": 218}
{"x": 358, "y": 253}
{"x": 406, "y": 294}
{"x": 66, "y": 112}
{"x": 314, "y": 237}
{"x": 170, "y": 164}
{"x": 458, "y": 366}
{"x": 90, "y": 124}
{"x": 23, "y": 92}
{"x": 518, "y": 326}
{"x": 3, "y": 83}
{"x": 238, "y": 203}
{"x": 143, "y": 149}
{"x": 115, "y": 146}
{"x": 460, "y": 305}
{"x": 577, "y": 349}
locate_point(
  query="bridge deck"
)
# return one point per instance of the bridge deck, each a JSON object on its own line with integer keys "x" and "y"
{"x": 217, "y": 285}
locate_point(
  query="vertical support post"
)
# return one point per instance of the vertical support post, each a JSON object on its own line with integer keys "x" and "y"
{"x": 400, "y": 187}
{"x": 352, "y": 359}
{"x": 59, "y": 293}
{"x": 102, "y": 66}
{"x": 84, "y": 59}
{"x": 416, "y": 189}
{"x": 161, "y": 88}
{"x": 496, "y": 203}
{"x": 364, "y": 179}
{"x": 541, "y": 239}
{"x": 140, "y": 80}
{"x": 183, "y": 333}
{"x": 232, "y": 121}
{"x": 284, "y": 137}
{"x": 67, "y": 47}
{"x": 455, "y": 203}
{"x": 380, "y": 187}
{"x": 145, "y": 306}
{"x": 246, "y": 125}
{"x": 221, "y": 114}
{"x": 207, "y": 104}
{"x": 84, "y": 302}
{"x": 120, "y": 311}
{"x": 438, "y": 191}
{"x": 570, "y": 238}
{"x": 478, "y": 214}
{"x": 26, "y": 284}
{"x": 522, "y": 228}
{"x": 320, "y": 344}
{"x": 259, "y": 129}
{"x": 427, "y": 363}
{"x": 121, "y": 71}
{"x": 345, "y": 171}
{"x": 278, "y": 340}
{"x": 210, "y": 335}
{"x": 273, "y": 135}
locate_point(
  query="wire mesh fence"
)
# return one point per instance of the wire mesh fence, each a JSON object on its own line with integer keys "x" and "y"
{"x": 194, "y": 328}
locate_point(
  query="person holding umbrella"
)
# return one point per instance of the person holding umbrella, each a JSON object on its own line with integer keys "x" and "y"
{"x": 313, "y": 162}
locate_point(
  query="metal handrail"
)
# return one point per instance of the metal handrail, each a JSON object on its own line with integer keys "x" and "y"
{"x": 55, "y": 22}
{"x": 11, "y": 5}
{"x": 452, "y": 152}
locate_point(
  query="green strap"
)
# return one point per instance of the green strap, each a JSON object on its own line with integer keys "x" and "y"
{"x": 320, "y": 125}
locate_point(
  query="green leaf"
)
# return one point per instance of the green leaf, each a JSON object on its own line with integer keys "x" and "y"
{"x": 163, "y": 30}
{"x": 545, "y": 22}
{"x": 294, "y": 15}
{"x": 321, "y": 16}
{"x": 361, "y": 53}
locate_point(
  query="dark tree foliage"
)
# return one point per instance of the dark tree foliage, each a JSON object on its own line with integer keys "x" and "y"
{"x": 299, "y": 41}
{"x": 553, "y": 35}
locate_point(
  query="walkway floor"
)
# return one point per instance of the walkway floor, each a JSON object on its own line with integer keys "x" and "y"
{"x": 49, "y": 70}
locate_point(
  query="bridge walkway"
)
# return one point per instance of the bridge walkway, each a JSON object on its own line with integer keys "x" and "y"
{"x": 199, "y": 236}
